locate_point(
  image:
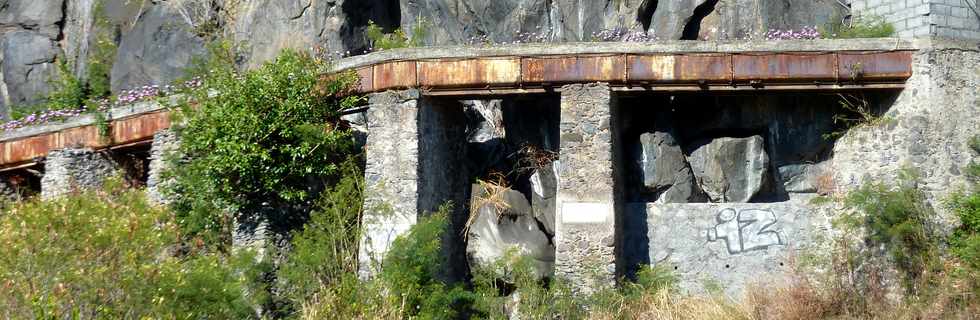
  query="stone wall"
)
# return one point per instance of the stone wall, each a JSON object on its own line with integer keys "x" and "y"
{"x": 955, "y": 19}
{"x": 585, "y": 230}
{"x": 390, "y": 174}
{"x": 164, "y": 144}
{"x": 928, "y": 126}
{"x": 69, "y": 169}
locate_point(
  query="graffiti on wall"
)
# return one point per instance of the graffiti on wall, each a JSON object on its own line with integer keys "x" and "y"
{"x": 745, "y": 230}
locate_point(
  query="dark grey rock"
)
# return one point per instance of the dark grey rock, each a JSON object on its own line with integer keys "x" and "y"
{"x": 27, "y": 63}
{"x": 664, "y": 169}
{"x": 492, "y": 233}
{"x": 731, "y": 169}
{"x": 544, "y": 191}
{"x": 157, "y": 50}
{"x": 265, "y": 27}
{"x": 39, "y": 16}
{"x": 485, "y": 135}
{"x": 801, "y": 178}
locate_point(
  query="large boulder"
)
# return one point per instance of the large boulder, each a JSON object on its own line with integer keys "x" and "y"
{"x": 664, "y": 170}
{"x": 731, "y": 169}
{"x": 27, "y": 64}
{"x": 157, "y": 50}
{"x": 741, "y": 19}
{"x": 544, "y": 191}
{"x": 501, "y": 222}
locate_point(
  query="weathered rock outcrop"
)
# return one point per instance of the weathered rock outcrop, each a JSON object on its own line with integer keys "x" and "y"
{"x": 28, "y": 31}
{"x": 731, "y": 169}
{"x": 157, "y": 50}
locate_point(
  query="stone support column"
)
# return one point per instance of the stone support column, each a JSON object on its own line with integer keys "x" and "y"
{"x": 71, "y": 169}
{"x": 391, "y": 174}
{"x": 164, "y": 144}
{"x": 586, "y": 228}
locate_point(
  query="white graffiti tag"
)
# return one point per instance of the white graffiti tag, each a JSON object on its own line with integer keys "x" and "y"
{"x": 746, "y": 230}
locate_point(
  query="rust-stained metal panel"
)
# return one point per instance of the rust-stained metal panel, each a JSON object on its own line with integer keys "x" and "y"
{"x": 365, "y": 79}
{"x": 139, "y": 128}
{"x": 470, "y": 73}
{"x": 785, "y": 67}
{"x": 658, "y": 68}
{"x": 712, "y": 68}
{"x": 896, "y": 65}
{"x": 574, "y": 69}
{"x": 26, "y": 149}
{"x": 87, "y": 136}
{"x": 395, "y": 75}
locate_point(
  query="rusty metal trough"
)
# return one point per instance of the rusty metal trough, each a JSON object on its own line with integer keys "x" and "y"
{"x": 493, "y": 71}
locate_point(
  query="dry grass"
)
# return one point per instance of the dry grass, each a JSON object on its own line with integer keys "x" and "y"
{"x": 531, "y": 157}
{"x": 493, "y": 195}
{"x": 668, "y": 305}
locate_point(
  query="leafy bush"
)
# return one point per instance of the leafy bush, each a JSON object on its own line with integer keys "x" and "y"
{"x": 265, "y": 137}
{"x": 896, "y": 218}
{"x": 109, "y": 254}
{"x": 965, "y": 242}
{"x": 868, "y": 26}
{"x": 325, "y": 251}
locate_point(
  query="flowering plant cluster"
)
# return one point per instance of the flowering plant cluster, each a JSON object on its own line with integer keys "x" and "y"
{"x": 805, "y": 33}
{"x": 41, "y": 117}
{"x": 124, "y": 97}
{"x": 623, "y": 35}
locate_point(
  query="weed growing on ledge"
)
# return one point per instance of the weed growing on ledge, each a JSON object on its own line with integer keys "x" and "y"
{"x": 867, "y": 26}
{"x": 398, "y": 38}
{"x": 857, "y": 113}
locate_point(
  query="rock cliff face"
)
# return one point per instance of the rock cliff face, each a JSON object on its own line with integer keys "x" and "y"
{"x": 157, "y": 39}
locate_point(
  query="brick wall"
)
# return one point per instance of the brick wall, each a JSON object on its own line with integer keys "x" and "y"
{"x": 955, "y": 19}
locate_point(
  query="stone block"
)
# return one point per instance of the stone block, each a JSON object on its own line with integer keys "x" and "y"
{"x": 164, "y": 145}
{"x": 502, "y": 223}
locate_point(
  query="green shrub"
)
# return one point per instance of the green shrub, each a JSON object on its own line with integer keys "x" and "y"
{"x": 266, "y": 135}
{"x": 868, "y": 26}
{"x": 397, "y": 39}
{"x": 965, "y": 241}
{"x": 896, "y": 219}
{"x": 109, "y": 254}
{"x": 326, "y": 249}
{"x": 411, "y": 271}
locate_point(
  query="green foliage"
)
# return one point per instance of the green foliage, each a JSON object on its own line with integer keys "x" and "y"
{"x": 326, "y": 249}
{"x": 411, "y": 269}
{"x": 965, "y": 241}
{"x": 896, "y": 218}
{"x": 398, "y": 39}
{"x": 266, "y": 135}
{"x": 109, "y": 254}
{"x": 101, "y": 56}
{"x": 69, "y": 91}
{"x": 868, "y": 26}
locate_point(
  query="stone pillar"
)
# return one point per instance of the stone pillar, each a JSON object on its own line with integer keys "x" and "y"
{"x": 391, "y": 174}
{"x": 164, "y": 143}
{"x": 585, "y": 234}
{"x": 70, "y": 169}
